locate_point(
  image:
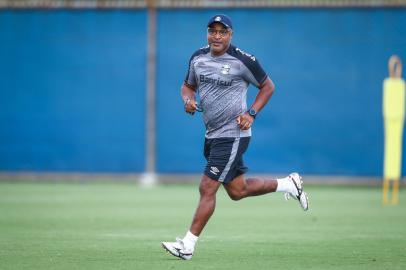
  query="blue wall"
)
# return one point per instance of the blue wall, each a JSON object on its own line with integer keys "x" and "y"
{"x": 328, "y": 67}
{"x": 72, "y": 89}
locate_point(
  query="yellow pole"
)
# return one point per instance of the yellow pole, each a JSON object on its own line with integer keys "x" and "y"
{"x": 395, "y": 194}
{"x": 393, "y": 112}
{"x": 385, "y": 191}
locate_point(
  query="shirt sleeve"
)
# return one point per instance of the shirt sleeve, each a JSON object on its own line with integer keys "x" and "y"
{"x": 253, "y": 71}
{"x": 191, "y": 76}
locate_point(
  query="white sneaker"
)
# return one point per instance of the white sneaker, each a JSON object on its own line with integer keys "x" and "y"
{"x": 298, "y": 193}
{"x": 178, "y": 249}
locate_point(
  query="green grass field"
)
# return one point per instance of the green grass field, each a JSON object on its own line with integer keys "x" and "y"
{"x": 120, "y": 226}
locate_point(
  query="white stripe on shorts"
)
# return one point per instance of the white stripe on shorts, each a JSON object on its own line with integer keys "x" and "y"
{"x": 234, "y": 150}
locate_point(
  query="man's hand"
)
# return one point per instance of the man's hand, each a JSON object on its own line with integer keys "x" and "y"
{"x": 190, "y": 106}
{"x": 245, "y": 121}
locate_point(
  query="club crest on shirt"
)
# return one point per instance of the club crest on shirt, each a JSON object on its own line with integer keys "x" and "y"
{"x": 225, "y": 69}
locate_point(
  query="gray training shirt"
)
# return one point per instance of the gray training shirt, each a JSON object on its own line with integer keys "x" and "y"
{"x": 222, "y": 84}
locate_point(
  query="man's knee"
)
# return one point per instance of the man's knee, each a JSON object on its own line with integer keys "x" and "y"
{"x": 208, "y": 186}
{"x": 236, "y": 196}
{"x": 237, "y": 189}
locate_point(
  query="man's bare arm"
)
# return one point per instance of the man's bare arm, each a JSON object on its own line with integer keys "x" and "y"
{"x": 188, "y": 94}
{"x": 266, "y": 90}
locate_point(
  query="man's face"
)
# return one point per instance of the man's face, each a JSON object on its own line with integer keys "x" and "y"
{"x": 219, "y": 38}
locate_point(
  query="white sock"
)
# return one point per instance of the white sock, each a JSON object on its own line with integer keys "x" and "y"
{"x": 284, "y": 185}
{"x": 190, "y": 240}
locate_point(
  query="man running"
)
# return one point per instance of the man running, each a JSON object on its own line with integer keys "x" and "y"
{"x": 220, "y": 74}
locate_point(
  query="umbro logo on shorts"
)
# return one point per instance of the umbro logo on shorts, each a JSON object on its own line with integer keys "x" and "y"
{"x": 214, "y": 170}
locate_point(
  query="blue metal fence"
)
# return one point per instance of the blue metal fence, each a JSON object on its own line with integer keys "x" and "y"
{"x": 328, "y": 66}
{"x": 73, "y": 88}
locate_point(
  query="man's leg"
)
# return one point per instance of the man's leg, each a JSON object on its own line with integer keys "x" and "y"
{"x": 207, "y": 203}
{"x": 184, "y": 248}
{"x": 240, "y": 187}
{"x": 291, "y": 185}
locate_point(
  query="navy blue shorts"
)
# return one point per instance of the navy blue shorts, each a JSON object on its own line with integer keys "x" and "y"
{"x": 224, "y": 158}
